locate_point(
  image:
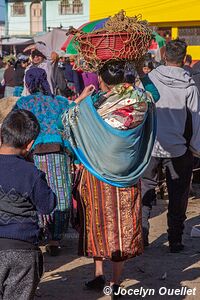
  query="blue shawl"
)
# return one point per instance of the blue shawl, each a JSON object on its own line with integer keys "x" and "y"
{"x": 47, "y": 110}
{"x": 117, "y": 157}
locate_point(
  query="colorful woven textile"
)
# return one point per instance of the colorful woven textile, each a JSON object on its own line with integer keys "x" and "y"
{"x": 125, "y": 108}
{"x": 111, "y": 219}
{"x": 47, "y": 110}
{"x": 58, "y": 175}
{"x": 18, "y": 91}
{"x": 117, "y": 157}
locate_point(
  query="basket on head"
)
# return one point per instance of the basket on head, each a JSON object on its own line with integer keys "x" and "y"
{"x": 122, "y": 38}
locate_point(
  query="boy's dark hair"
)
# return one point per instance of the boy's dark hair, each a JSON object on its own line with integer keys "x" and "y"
{"x": 19, "y": 128}
{"x": 176, "y": 51}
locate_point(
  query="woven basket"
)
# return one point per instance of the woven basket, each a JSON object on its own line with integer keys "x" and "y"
{"x": 105, "y": 46}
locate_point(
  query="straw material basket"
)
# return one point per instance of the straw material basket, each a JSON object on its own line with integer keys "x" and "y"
{"x": 113, "y": 45}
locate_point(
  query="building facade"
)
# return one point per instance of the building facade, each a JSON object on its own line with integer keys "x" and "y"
{"x": 178, "y": 18}
{"x": 27, "y": 18}
{"x": 2, "y": 18}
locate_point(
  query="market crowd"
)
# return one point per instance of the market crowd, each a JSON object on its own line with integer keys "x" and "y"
{"x": 87, "y": 146}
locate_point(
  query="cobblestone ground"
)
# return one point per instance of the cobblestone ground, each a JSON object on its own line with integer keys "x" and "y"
{"x": 152, "y": 272}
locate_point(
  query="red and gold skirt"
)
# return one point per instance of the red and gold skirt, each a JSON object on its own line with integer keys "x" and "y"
{"x": 111, "y": 219}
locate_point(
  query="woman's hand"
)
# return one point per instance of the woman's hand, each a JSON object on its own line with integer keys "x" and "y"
{"x": 88, "y": 90}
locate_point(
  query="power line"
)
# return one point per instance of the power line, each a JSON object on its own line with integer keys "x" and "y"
{"x": 52, "y": 20}
{"x": 63, "y": 19}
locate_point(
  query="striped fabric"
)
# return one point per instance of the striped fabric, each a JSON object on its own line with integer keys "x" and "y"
{"x": 111, "y": 219}
{"x": 58, "y": 175}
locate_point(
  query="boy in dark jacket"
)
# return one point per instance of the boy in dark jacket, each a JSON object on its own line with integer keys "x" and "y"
{"x": 24, "y": 193}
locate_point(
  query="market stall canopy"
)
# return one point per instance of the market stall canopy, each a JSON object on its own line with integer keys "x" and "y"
{"x": 53, "y": 39}
{"x": 13, "y": 41}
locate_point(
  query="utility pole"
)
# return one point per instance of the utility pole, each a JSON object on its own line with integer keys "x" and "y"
{"x": 44, "y": 16}
{"x": 6, "y": 19}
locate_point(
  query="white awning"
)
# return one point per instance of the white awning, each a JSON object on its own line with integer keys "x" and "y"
{"x": 15, "y": 41}
{"x": 53, "y": 39}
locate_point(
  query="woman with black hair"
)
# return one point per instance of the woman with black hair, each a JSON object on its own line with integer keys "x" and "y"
{"x": 112, "y": 134}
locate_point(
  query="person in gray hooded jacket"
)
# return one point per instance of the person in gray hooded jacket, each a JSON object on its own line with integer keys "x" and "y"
{"x": 178, "y": 139}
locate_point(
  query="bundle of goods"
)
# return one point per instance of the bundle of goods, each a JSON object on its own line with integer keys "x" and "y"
{"x": 121, "y": 38}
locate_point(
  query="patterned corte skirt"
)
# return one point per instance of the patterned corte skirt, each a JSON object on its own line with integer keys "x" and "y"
{"x": 111, "y": 219}
{"x": 58, "y": 175}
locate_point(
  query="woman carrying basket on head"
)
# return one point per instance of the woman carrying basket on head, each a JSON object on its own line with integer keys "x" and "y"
{"x": 112, "y": 134}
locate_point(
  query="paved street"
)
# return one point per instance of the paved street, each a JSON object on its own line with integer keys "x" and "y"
{"x": 155, "y": 269}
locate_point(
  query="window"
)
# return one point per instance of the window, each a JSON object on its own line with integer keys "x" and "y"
{"x": 18, "y": 9}
{"x": 77, "y": 7}
{"x": 65, "y": 8}
{"x": 190, "y": 34}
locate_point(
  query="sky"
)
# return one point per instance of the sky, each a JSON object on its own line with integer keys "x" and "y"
{"x": 2, "y": 11}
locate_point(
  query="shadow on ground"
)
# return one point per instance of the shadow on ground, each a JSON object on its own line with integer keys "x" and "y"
{"x": 154, "y": 269}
